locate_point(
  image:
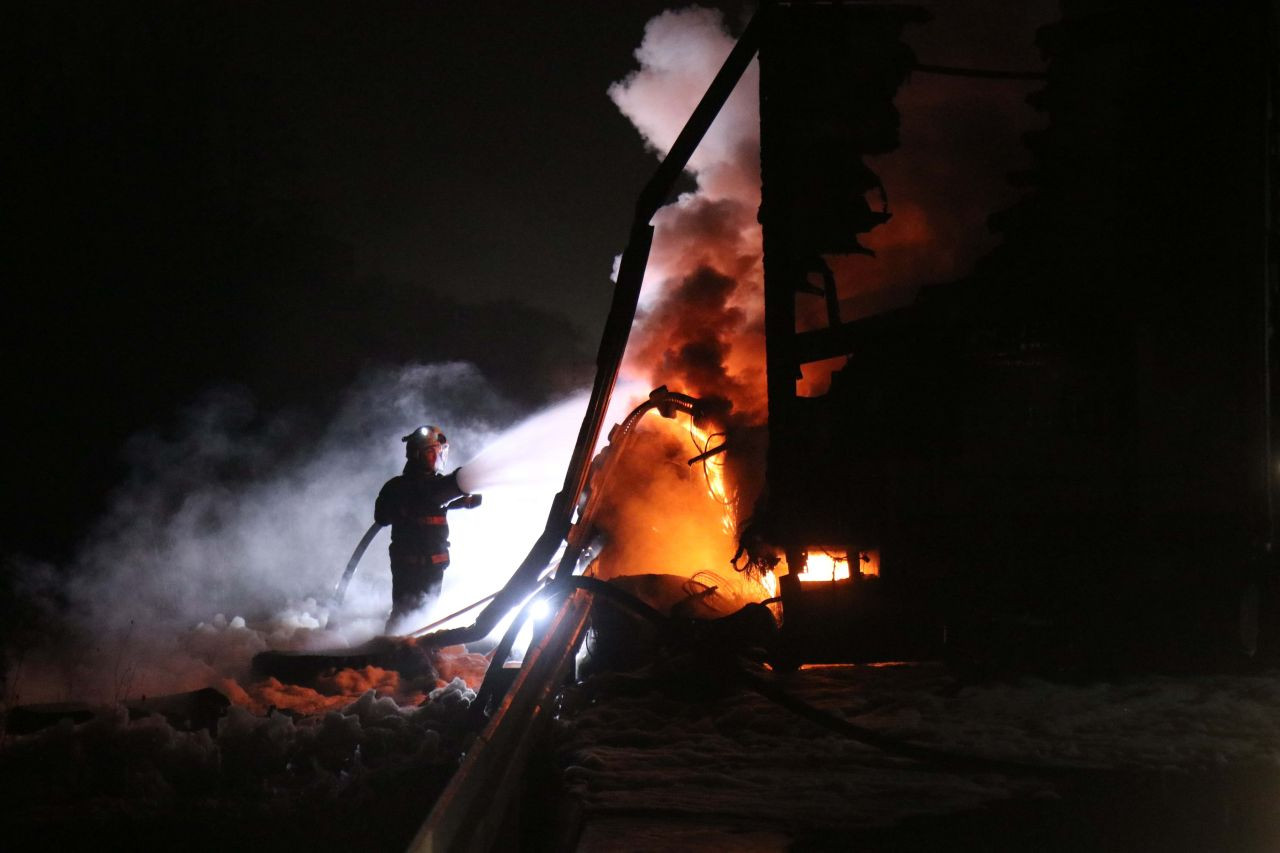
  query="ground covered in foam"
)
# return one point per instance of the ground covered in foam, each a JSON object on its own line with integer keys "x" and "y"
{"x": 361, "y": 776}
{"x": 683, "y": 757}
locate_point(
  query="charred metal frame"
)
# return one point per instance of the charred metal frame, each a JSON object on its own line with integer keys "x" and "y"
{"x": 812, "y": 32}
{"x": 613, "y": 341}
{"x": 1207, "y": 565}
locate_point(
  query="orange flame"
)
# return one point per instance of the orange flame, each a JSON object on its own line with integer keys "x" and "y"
{"x": 826, "y": 565}
{"x": 334, "y": 691}
{"x": 717, "y": 483}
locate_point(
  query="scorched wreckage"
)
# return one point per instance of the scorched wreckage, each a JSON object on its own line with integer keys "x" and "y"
{"x": 1060, "y": 463}
{"x": 1067, "y": 451}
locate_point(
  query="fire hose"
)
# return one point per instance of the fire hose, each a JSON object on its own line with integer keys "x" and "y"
{"x": 579, "y": 539}
{"x": 340, "y": 590}
{"x": 613, "y": 341}
{"x": 722, "y": 641}
{"x": 392, "y": 652}
{"x": 562, "y": 586}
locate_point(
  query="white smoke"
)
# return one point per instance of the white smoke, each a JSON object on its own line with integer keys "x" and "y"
{"x": 712, "y": 229}
{"x": 231, "y": 532}
{"x": 960, "y": 137}
{"x": 679, "y": 57}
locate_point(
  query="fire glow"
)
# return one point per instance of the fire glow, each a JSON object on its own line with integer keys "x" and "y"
{"x": 713, "y": 470}
{"x": 832, "y": 564}
{"x": 826, "y": 565}
{"x": 721, "y": 491}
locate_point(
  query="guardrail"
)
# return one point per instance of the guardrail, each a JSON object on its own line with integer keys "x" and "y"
{"x": 481, "y": 802}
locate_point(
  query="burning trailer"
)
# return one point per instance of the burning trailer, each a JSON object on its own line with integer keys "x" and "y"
{"x": 1029, "y": 467}
{"x": 568, "y": 541}
{"x": 1063, "y": 460}
{"x": 1002, "y": 472}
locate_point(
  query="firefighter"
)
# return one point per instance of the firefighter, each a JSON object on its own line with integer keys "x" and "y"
{"x": 414, "y": 504}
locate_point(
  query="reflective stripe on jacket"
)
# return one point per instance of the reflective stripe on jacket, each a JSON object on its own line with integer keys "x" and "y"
{"x": 413, "y": 504}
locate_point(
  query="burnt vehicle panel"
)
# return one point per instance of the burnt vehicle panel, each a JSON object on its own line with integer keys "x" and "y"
{"x": 1064, "y": 457}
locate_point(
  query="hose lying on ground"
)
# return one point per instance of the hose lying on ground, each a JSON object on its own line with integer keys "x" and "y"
{"x": 714, "y": 635}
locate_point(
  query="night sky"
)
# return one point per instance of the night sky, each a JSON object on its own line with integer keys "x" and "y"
{"x": 279, "y": 196}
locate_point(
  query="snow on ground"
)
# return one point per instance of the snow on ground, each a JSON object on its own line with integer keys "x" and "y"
{"x": 304, "y": 763}
{"x": 280, "y": 754}
{"x": 112, "y": 775}
{"x": 631, "y": 745}
{"x": 1151, "y": 722}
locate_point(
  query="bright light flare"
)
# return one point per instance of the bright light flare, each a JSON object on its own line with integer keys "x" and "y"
{"x": 539, "y": 610}
{"x": 534, "y": 610}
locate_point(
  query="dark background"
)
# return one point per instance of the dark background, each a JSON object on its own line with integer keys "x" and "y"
{"x": 279, "y": 195}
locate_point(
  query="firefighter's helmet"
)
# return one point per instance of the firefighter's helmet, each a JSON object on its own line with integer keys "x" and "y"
{"x": 423, "y": 437}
